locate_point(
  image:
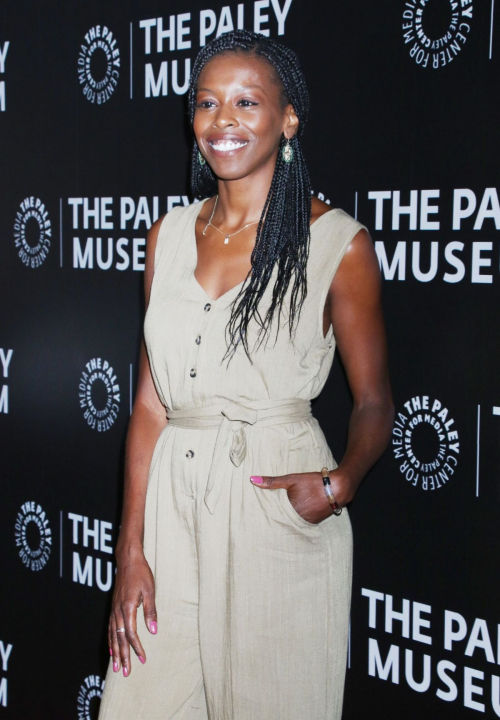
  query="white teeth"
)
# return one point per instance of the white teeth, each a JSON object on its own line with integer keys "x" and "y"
{"x": 226, "y": 145}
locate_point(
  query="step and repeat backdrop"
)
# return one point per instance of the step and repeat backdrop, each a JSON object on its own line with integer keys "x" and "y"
{"x": 94, "y": 146}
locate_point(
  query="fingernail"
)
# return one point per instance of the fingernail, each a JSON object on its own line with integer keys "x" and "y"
{"x": 153, "y": 627}
{"x": 256, "y": 479}
{"x": 115, "y": 667}
{"x": 110, "y": 651}
{"x": 141, "y": 659}
{"x": 125, "y": 671}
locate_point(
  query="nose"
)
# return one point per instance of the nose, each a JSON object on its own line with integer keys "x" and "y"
{"x": 225, "y": 117}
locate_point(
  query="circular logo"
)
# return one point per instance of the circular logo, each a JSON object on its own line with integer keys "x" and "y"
{"x": 88, "y": 705}
{"x": 425, "y": 443}
{"x": 99, "y": 394}
{"x": 98, "y": 64}
{"x": 436, "y": 30}
{"x": 33, "y": 536}
{"x": 32, "y": 232}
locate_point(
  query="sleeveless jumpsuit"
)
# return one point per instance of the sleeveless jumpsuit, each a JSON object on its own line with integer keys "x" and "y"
{"x": 253, "y": 601}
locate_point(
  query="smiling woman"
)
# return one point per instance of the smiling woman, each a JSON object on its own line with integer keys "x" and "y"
{"x": 235, "y": 535}
{"x": 255, "y": 91}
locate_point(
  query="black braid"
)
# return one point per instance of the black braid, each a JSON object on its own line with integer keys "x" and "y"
{"x": 283, "y": 232}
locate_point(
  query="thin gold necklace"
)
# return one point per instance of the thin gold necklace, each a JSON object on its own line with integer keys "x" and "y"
{"x": 226, "y": 235}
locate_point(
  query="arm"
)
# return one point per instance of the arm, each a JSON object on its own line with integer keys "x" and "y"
{"x": 358, "y": 326}
{"x": 134, "y": 581}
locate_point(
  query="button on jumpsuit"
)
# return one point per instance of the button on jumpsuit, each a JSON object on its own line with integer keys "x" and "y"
{"x": 253, "y": 601}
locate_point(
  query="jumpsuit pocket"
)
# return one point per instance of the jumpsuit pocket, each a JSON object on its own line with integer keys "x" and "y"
{"x": 307, "y": 451}
{"x": 292, "y": 512}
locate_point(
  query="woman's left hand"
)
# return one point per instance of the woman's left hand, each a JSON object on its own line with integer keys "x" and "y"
{"x": 306, "y": 492}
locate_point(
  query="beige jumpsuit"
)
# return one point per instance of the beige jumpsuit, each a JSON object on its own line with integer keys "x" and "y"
{"x": 253, "y": 601}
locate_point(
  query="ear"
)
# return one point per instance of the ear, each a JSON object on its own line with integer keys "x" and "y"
{"x": 291, "y": 124}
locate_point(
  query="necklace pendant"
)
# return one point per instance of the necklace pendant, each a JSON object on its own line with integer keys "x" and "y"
{"x": 226, "y": 240}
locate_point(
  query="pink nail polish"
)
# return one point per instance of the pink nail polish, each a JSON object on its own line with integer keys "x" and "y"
{"x": 256, "y": 479}
{"x": 141, "y": 659}
{"x": 110, "y": 651}
{"x": 125, "y": 671}
{"x": 115, "y": 667}
{"x": 153, "y": 627}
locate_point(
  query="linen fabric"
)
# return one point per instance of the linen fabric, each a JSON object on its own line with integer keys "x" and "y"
{"x": 253, "y": 601}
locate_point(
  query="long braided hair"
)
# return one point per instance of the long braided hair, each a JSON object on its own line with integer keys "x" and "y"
{"x": 283, "y": 232}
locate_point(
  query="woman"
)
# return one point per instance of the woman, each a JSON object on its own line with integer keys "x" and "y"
{"x": 228, "y": 538}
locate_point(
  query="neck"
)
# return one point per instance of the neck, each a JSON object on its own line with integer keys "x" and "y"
{"x": 241, "y": 201}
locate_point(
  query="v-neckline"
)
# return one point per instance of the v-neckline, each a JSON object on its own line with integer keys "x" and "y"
{"x": 195, "y": 253}
{"x": 193, "y": 273}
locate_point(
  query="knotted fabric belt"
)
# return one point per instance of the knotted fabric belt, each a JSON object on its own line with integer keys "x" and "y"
{"x": 233, "y": 419}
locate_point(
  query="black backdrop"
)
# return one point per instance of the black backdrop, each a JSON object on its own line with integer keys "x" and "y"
{"x": 93, "y": 146}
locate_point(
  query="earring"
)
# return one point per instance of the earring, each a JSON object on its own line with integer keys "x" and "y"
{"x": 201, "y": 159}
{"x": 287, "y": 152}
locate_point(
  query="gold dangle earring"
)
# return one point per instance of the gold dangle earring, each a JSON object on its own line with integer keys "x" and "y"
{"x": 287, "y": 152}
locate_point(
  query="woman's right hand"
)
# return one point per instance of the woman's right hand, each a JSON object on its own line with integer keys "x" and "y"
{"x": 134, "y": 584}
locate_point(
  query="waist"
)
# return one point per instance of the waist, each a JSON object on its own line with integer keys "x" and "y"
{"x": 252, "y": 412}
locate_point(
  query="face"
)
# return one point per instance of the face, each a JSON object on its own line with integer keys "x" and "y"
{"x": 239, "y": 116}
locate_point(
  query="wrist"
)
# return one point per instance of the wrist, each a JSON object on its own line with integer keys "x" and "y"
{"x": 345, "y": 483}
{"x": 350, "y": 475}
{"x": 129, "y": 549}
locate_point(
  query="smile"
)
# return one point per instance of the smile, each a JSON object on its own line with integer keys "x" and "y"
{"x": 227, "y": 145}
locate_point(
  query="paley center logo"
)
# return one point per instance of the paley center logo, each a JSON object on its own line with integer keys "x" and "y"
{"x": 98, "y": 64}
{"x": 436, "y": 31}
{"x": 32, "y": 232}
{"x": 425, "y": 443}
{"x": 99, "y": 394}
{"x": 33, "y": 536}
{"x": 91, "y": 688}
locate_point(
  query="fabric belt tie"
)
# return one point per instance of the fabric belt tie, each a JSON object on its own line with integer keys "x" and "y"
{"x": 233, "y": 419}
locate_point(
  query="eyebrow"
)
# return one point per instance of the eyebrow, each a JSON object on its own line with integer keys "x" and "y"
{"x": 242, "y": 87}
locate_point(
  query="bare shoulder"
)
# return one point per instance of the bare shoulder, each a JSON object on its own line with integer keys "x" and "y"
{"x": 318, "y": 208}
{"x": 359, "y": 269}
